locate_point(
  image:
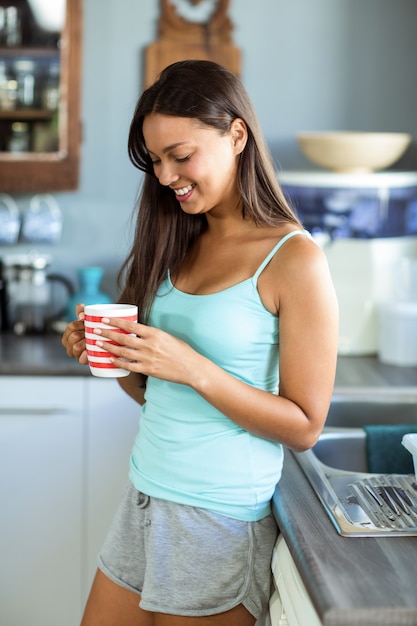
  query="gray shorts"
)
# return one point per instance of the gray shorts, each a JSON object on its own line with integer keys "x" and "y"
{"x": 188, "y": 561}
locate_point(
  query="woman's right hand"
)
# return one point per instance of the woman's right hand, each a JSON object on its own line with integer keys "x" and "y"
{"x": 73, "y": 338}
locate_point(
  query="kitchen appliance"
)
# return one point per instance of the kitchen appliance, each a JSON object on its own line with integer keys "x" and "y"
{"x": 27, "y": 298}
{"x": 398, "y": 333}
{"x": 366, "y": 225}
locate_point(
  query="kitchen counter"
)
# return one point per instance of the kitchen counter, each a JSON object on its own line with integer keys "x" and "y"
{"x": 44, "y": 355}
{"x": 37, "y": 355}
{"x": 351, "y": 581}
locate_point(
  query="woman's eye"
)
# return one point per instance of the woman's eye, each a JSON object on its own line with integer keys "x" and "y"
{"x": 183, "y": 159}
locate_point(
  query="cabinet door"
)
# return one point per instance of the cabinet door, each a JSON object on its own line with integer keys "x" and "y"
{"x": 41, "y": 460}
{"x": 290, "y": 602}
{"x": 113, "y": 419}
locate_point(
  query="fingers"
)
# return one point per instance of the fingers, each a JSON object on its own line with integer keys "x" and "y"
{"x": 73, "y": 338}
{"x": 79, "y": 311}
{"x": 123, "y": 345}
{"x": 126, "y": 325}
{"x": 117, "y": 342}
{"x": 83, "y": 358}
{"x": 119, "y": 350}
{"x": 73, "y": 341}
{"x": 132, "y": 331}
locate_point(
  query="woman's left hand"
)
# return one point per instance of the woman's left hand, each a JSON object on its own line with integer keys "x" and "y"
{"x": 149, "y": 351}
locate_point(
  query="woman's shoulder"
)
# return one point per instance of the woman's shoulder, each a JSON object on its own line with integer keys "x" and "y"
{"x": 298, "y": 266}
{"x": 296, "y": 255}
{"x": 290, "y": 238}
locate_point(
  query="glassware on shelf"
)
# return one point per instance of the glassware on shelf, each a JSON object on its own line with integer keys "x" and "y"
{"x": 11, "y": 34}
{"x": 45, "y": 136}
{"x": 25, "y": 77}
{"x": 8, "y": 89}
{"x": 10, "y": 220}
{"x": 50, "y": 96}
{"x": 20, "y": 137}
{"x": 42, "y": 222}
{"x": 2, "y": 26}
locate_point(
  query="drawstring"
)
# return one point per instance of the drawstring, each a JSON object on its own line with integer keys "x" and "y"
{"x": 142, "y": 500}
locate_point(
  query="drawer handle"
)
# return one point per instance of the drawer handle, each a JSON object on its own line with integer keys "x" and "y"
{"x": 45, "y": 411}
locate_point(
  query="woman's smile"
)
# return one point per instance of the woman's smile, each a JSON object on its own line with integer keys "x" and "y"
{"x": 183, "y": 193}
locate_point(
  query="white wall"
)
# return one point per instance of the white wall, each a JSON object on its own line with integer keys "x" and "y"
{"x": 307, "y": 64}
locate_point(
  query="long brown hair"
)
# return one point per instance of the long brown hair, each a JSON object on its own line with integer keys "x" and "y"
{"x": 207, "y": 92}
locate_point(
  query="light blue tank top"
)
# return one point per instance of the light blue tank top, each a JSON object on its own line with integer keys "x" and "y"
{"x": 188, "y": 452}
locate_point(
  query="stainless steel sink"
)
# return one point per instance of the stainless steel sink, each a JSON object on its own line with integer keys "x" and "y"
{"x": 358, "y": 502}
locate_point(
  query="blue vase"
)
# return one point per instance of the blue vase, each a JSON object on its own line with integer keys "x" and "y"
{"x": 89, "y": 281}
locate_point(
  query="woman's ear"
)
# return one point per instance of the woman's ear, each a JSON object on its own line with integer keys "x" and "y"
{"x": 239, "y": 134}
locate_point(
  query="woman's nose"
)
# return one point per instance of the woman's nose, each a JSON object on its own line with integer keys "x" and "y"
{"x": 166, "y": 174}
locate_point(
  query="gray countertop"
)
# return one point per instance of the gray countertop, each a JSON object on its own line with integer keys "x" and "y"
{"x": 44, "y": 355}
{"x": 352, "y": 581}
{"x": 37, "y": 355}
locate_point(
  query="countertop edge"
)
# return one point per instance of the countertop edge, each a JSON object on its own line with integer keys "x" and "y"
{"x": 331, "y": 565}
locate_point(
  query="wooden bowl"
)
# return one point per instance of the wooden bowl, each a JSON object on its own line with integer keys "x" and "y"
{"x": 353, "y": 151}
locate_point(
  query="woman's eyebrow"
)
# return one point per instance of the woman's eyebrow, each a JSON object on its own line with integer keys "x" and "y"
{"x": 169, "y": 148}
{"x": 173, "y": 146}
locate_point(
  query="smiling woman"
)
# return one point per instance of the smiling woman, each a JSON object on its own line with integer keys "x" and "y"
{"x": 204, "y": 155}
{"x": 235, "y": 302}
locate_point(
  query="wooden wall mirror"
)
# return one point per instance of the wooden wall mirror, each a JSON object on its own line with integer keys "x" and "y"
{"x": 40, "y": 75}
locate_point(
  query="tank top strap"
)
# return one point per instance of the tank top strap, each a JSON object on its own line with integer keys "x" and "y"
{"x": 275, "y": 250}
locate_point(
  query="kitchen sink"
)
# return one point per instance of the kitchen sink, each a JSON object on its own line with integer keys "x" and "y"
{"x": 360, "y": 502}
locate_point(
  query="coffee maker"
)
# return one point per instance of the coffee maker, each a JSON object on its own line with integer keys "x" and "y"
{"x": 26, "y": 305}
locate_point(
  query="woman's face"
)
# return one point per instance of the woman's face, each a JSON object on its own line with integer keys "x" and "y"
{"x": 196, "y": 162}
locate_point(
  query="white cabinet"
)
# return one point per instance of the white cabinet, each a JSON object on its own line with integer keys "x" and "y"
{"x": 41, "y": 466}
{"x": 65, "y": 444}
{"x": 290, "y": 604}
{"x": 112, "y": 423}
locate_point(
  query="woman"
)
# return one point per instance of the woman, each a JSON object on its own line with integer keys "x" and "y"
{"x": 218, "y": 262}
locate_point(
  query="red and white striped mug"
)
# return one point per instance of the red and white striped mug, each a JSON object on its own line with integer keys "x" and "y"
{"x": 98, "y": 358}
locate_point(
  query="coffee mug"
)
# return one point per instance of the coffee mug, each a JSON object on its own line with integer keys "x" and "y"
{"x": 99, "y": 359}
